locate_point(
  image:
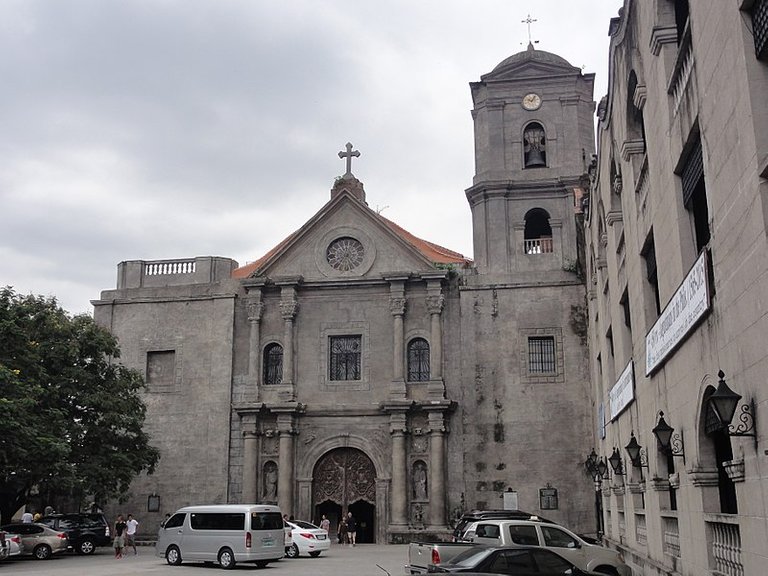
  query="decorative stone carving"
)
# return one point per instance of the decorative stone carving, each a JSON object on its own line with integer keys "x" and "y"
{"x": 255, "y": 310}
{"x": 419, "y": 479}
{"x": 417, "y": 516}
{"x": 735, "y": 470}
{"x": 435, "y": 304}
{"x": 419, "y": 444}
{"x": 397, "y": 306}
{"x": 288, "y": 309}
{"x": 617, "y": 184}
{"x": 270, "y": 482}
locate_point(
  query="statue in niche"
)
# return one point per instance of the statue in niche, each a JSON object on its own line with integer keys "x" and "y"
{"x": 270, "y": 482}
{"x": 534, "y": 146}
{"x": 420, "y": 481}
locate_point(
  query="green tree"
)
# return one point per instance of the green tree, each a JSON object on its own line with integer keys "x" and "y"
{"x": 71, "y": 417}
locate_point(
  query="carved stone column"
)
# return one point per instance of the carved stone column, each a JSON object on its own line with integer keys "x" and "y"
{"x": 255, "y": 310}
{"x": 289, "y": 306}
{"x": 435, "y": 304}
{"x": 436, "y": 470}
{"x": 397, "y": 306}
{"x": 399, "y": 499}
{"x": 250, "y": 459}
{"x": 286, "y": 431}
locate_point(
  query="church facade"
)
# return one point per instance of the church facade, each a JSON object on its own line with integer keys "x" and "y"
{"x": 358, "y": 368}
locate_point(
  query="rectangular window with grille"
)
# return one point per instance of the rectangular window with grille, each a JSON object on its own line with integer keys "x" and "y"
{"x": 345, "y": 360}
{"x": 760, "y": 28}
{"x": 541, "y": 355}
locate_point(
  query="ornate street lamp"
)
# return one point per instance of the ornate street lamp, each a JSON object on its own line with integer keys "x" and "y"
{"x": 724, "y": 401}
{"x": 615, "y": 462}
{"x": 635, "y": 452}
{"x": 666, "y": 440}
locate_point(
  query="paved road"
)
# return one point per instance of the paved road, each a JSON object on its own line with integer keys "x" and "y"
{"x": 338, "y": 561}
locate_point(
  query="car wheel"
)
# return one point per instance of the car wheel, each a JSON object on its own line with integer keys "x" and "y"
{"x": 173, "y": 556}
{"x": 86, "y": 547}
{"x": 293, "y": 552}
{"x": 42, "y": 552}
{"x": 314, "y": 554}
{"x": 226, "y": 559}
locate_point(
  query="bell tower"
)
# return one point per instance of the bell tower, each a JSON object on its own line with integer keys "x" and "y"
{"x": 534, "y": 139}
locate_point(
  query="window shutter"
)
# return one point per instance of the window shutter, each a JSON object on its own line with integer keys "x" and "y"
{"x": 693, "y": 172}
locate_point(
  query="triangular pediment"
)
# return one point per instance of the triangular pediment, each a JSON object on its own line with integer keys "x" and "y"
{"x": 346, "y": 240}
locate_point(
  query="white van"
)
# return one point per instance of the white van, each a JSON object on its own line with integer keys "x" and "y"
{"x": 226, "y": 533}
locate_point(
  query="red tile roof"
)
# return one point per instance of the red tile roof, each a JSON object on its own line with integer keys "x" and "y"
{"x": 432, "y": 252}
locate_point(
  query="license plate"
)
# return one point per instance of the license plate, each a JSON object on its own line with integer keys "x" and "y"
{"x": 267, "y": 542}
{"x": 321, "y": 536}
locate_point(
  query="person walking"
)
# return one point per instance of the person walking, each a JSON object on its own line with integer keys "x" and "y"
{"x": 325, "y": 524}
{"x": 351, "y": 528}
{"x": 130, "y": 533}
{"x": 341, "y": 531}
{"x": 119, "y": 542}
{"x": 27, "y": 517}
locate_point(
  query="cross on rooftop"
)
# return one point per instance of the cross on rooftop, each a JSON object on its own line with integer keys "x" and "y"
{"x": 529, "y": 21}
{"x": 348, "y": 155}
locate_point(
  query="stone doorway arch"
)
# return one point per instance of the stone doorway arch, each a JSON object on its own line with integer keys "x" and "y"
{"x": 344, "y": 480}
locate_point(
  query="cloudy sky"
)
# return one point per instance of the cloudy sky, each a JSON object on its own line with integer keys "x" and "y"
{"x": 152, "y": 129}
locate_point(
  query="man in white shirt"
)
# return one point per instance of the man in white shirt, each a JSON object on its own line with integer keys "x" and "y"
{"x": 130, "y": 532}
{"x": 26, "y": 518}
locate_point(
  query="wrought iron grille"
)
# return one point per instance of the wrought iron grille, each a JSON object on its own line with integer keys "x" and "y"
{"x": 345, "y": 357}
{"x": 760, "y": 28}
{"x": 273, "y": 364}
{"x": 418, "y": 360}
{"x": 541, "y": 355}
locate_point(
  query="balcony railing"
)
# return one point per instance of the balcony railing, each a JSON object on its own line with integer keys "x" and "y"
{"x": 671, "y": 536}
{"x": 169, "y": 267}
{"x": 725, "y": 541}
{"x": 539, "y": 246}
{"x": 641, "y": 534}
{"x": 683, "y": 68}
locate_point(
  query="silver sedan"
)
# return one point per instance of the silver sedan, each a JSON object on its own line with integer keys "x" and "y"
{"x": 38, "y": 540}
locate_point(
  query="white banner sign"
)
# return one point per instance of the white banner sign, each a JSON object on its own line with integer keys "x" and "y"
{"x": 687, "y": 306}
{"x": 623, "y": 392}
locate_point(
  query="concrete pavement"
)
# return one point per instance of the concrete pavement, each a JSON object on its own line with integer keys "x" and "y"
{"x": 338, "y": 561}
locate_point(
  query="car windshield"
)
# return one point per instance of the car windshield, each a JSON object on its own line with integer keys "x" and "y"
{"x": 471, "y": 557}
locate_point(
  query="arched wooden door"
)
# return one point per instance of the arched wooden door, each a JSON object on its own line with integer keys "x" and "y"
{"x": 344, "y": 480}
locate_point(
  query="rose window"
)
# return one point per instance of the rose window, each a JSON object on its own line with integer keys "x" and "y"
{"x": 345, "y": 254}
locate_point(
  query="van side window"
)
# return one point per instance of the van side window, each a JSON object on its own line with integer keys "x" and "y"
{"x": 217, "y": 521}
{"x": 175, "y": 521}
{"x": 525, "y": 535}
{"x": 266, "y": 521}
{"x": 557, "y": 538}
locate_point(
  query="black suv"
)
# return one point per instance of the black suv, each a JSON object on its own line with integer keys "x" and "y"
{"x": 85, "y": 531}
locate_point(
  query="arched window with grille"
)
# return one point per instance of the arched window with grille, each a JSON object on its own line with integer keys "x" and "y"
{"x": 273, "y": 364}
{"x": 534, "y": 146}
{"x": 538, "y": 233}
{"x": 418, "y": 360}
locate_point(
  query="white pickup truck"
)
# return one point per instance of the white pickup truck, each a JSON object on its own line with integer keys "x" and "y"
{"x": 586, "y": 556}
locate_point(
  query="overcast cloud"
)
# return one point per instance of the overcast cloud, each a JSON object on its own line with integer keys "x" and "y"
{"x": 169, "y": 129}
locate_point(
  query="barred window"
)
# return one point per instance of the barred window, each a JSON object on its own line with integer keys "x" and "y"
{"x": 345, "y": 357}
{"x": 273, "y": 364}
{"x": 418, "y": 360}
{"x": 541, "y": 355}
{"x": 760, "y": 28}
